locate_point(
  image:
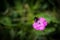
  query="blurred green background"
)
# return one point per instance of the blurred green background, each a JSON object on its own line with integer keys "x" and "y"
{"x": 17, "y": 17}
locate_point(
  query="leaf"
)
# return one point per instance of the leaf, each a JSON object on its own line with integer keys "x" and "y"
{"x": 12, "y": 33}
{"x": 6, "y": 21}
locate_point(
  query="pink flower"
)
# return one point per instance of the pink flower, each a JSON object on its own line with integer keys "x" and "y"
{"x": 40, "y": 24}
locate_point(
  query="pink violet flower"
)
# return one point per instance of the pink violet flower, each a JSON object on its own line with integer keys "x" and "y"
{"x": 40, "y": 24}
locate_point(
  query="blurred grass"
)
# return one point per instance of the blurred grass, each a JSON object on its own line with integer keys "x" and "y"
{"x": 20, "y": 24}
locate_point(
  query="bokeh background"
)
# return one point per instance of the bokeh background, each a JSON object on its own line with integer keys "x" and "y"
{"x": 17, "y": 17}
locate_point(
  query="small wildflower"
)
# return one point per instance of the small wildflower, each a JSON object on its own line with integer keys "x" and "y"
{"x": 40, "y": 24}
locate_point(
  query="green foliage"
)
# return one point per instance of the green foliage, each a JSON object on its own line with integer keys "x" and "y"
{"x": 19, "y": 21}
